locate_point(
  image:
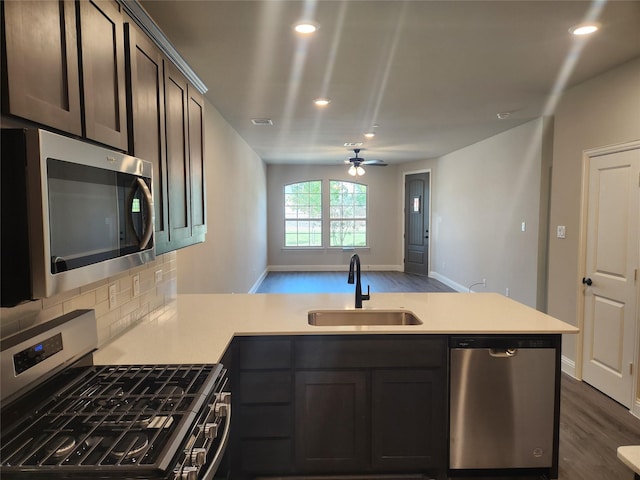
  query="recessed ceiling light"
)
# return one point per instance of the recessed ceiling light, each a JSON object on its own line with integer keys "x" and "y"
{"x": 584, "y": 28}
{"x": 305, "y": 28}
{"x": 370, "y": 134}
{"x": 322, "y": 102}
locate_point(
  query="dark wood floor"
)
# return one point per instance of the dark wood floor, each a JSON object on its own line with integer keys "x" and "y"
{"x": 336, "y": 282}
{"x": 592, "y": 426}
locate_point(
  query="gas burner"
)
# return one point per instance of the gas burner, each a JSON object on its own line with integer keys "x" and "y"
{"x": 62, "y": 446}
{"x": 167, "y": 397}
{"x": 130, "y": 446}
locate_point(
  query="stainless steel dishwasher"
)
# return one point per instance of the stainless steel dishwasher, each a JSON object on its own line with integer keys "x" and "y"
{"x": 503, "y": 395}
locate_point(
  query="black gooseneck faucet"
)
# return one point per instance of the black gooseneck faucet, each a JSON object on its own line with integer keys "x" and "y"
{"x": 355, "y": 261}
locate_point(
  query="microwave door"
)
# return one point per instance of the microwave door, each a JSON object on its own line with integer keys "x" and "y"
{"x": 83, "y": 226}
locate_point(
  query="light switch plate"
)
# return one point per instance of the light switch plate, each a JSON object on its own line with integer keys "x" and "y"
{"x": 561, "y": 231}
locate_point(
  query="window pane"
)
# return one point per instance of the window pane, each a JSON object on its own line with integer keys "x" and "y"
{"x": 303, "y": 214}
{"x": 348, "y": 202}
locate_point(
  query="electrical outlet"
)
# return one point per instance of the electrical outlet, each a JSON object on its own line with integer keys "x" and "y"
{"x": 112, "y": 296}
{"x": 507, "y": 292}
{"x": 484, "y": 282}
{"x": 158, "y": 276}
{"x": 136, "y": 285}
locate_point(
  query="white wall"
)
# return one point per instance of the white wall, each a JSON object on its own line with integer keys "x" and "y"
{"x": 602, "y": 111}
{"x": 384, "y": 219}
{"x": 481, "y": 194}
{"x": 234, "y": 255}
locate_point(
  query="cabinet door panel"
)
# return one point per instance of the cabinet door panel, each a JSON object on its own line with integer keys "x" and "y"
{"x": 408, "y": 413}
{"x": 102, "y": 32}
{"x": 42, "y": 74}
{"x": 331, "y": 421}
{"x": 147, "y": 135}
{"x": 175, "y": 92}
{"x": 196, "y": 163}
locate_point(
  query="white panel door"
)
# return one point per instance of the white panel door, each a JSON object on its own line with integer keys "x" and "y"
{"x": 612, "y": 250}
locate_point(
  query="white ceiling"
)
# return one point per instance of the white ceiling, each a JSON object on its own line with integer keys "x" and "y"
{"x": 432, "y": 74}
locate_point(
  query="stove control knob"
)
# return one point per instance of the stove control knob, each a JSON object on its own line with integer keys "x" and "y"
{"x": 211, "y": 430}
{"x": 187, "y": 473}
{"x": 198, "y": 456}
{"x": 222, "y": 404}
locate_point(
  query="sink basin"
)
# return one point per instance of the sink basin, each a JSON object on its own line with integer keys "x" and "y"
{"x": 334, "y": 318}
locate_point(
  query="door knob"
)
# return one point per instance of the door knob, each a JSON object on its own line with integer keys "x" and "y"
{"x": 587, "y": 281}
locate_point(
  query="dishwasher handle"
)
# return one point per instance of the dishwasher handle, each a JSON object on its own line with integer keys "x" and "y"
{"x": 503, "y": 352}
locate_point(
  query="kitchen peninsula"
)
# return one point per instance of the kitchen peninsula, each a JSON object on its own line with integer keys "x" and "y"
{"x": 354, "y": 399}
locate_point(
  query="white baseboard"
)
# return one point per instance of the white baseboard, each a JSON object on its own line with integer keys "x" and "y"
{"x": 332, "y": 268}
{"x": 255, "y": 286}
{"x": 568, "y": 366}
{"x": 447, "y": 281}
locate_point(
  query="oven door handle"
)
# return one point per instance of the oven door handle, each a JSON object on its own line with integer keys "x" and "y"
{"x": 217, "y": 458}
{"x": 148, "y": 231}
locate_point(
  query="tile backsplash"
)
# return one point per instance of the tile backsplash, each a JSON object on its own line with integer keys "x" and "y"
{"x": 157, "y": 288}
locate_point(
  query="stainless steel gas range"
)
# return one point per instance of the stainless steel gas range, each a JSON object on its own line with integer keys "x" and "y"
{"x": 63, "y": 417}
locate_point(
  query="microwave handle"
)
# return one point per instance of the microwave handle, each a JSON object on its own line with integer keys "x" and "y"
{"x": 148, "y": 231}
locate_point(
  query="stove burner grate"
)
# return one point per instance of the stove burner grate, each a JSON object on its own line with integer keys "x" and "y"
{"x": 117, "y": 415}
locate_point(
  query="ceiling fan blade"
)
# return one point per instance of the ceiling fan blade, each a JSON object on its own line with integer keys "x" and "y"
{"x": 374, "y": 163}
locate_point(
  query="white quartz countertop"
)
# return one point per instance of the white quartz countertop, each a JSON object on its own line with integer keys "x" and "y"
{"x": 197, "y": 328}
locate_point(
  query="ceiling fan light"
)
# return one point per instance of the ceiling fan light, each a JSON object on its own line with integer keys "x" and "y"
{"x": 305, "y": 28}
{"x": 360, "y": 171}
{"x": 352, "y": 171}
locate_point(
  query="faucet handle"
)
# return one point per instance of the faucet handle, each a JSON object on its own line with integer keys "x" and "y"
{"x": 367, "y": 296}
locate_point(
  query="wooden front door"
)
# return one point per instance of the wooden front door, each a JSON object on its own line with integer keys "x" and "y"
{"x": 610, "y": 279}
{"x": 416, "y": 226}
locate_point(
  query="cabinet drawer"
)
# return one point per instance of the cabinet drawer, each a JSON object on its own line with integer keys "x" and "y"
{"x": 385, "y": 351}
{"x": 265, "y": 387}
{"x": 264, "y": 421}
{"x": 265, "y": 456}
{"x": 263, "y": 354}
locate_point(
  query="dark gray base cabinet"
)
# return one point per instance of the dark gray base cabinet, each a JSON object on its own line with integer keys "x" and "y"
{"x": 328, "y": 405}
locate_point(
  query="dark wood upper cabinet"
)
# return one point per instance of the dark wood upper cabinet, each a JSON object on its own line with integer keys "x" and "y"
{"x": 41, "y": 76}
{"x": 196, "y": 162}
{"x": 176, "y": 99}
{"x": 147, "y": 121}
{"x": 85, "y": 68}
{"x": 102, "y": 34}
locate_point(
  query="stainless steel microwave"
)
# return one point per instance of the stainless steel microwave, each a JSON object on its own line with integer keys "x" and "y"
{"x": 73, "y": 213}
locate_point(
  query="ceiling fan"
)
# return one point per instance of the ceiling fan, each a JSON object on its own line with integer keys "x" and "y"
{"x": 356, "y": 163}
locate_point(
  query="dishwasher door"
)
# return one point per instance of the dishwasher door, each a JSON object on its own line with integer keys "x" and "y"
{"x": 502, "y": 403}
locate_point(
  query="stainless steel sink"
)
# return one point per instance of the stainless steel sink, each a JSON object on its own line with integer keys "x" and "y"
{"x": 334, "y": 318}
